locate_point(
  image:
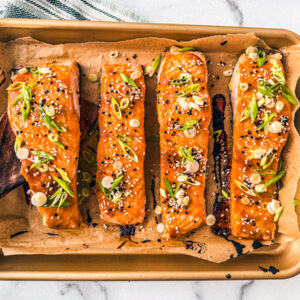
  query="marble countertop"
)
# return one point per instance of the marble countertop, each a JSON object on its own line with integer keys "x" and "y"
{"x": 255, "y": 13}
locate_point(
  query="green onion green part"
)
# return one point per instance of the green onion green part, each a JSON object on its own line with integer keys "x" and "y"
{"x": 169, "y": 188}
{"x": 188, "y": 125}
{"x": 261, "y": 57}
{"x": 185, "y": 49}
{"x": 278, "y": 214}
{"x": 188, "y": 90}
{"x": 253, "y": 108}
{"x": 275, "y": 179}
{"x": 128, "y": 80}
{"x": 267, "y": 119}
{"x": 128, "y": 151}
{"x": 64, "y": 185}
{"x": 18, "y": 144}
{"x": 63, "y": 174}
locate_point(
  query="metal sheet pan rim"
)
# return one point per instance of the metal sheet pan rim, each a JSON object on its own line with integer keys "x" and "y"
{"x": 146, "y": 28}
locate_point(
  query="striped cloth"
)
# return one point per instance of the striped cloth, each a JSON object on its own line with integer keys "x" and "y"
{"x": 98, "y": 10}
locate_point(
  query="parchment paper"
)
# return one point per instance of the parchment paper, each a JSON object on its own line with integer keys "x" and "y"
{"x": 21, "y": 230}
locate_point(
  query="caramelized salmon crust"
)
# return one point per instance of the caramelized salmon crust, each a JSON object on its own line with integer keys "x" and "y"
{"x": 184, "y": 113}
{"x": 261, "y": 123}
{"x": 43, "y": 111}
{"x": 121, "y": 148}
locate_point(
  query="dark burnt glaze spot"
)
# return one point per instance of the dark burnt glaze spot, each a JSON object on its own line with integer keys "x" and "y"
{"x": 127, "y": 230}
{"x": 18, "y": 233}
{"x": 88, "y": 217}
{"x": 256, "y": 245}
{"x": 238, "y": 247}
{"x": 153, "y": 193}
{"x": 271, "y": 269}
{"x": 221, "y": 171}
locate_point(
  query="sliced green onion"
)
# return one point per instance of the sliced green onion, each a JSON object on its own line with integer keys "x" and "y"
{"x": 188, "y": 125}
{"x": 62, "y": 199}
{"x": 39, "y": 163}
{"x": 192, "y": 181}
{"x": 18, "y": 144}
{"x": 93, "y": 77}
{"x": 50, "y": 110}
{"x": 225, "y": 194}
{"x": 15, "y": 86}
{"x": 116, "y": 108}
{"x": 88, "y": 156}
{"x": 103, "y": 189}
{"x": 128, "y": 151}
{"x": 274, "y": 179}
{"x": 288, "y": 95}
{"x": 261, "y": 57}
{"x": 36, "y": 73}
{"x": 245, "y": 115}
{"x": 57, "y": 197}
{"x": 177, "y": 189}
{"x": 264, "y": 89}
{"x": 150, "y": 70}
{"x": 86, "y": 177}
{"x": 169, "y": 188}
{"x": 49, "y": 122}
{"x": 85, "y": 192}
{"x": 116, "y": 182}
{"x": 63, "y": 174}
{"x": 156, "y": 62}
{"x": 43, "y": 154}
{"x": 267, "y": 119}
{"x": 186, "y": 155}
{"x": 296, "y": 202}
{"x": 128, "y": 80}
{"x": 185, "y": 49}
{"x": 187, "y": 90}
{"x": 253, "y": 109}
{"x": 53, "y": 137}
{"x": 65, "y": 204}
{"x": 124, "y": 103}
{"x": 217, "y": 133}
{"x": 278, "y": 74}
{"x": 264, "y": 171}
{"x": 181, "y": 81}
{"x": 278, "y": 214}
{"x": 245, "y": 189}
{"x": 64, "y": 185}
{"x": 58, "y": 127}
{"x": 264, "y": 163}
{"x": 43, "y": 168}
{"x": 58, "y": 191}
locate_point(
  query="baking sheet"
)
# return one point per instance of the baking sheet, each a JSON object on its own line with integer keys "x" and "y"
{"x": 17, "y": 217}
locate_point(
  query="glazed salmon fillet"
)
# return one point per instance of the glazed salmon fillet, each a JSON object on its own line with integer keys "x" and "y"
{"x": 43, "y": 111}
{"x": 184, "y": 113}
{"x": 261, "y": 104}
{"x": 121, "y": 148}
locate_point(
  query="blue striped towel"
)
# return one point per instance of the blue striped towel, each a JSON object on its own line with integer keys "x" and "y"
{"x": 98, "y": 10}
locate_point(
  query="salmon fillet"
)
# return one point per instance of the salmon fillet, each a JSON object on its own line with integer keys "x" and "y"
{"x": 43, "y": 111}
{"x": 184, "y": 114}
{"x": 121, "y": 148}
{"x": 260, "y": 129}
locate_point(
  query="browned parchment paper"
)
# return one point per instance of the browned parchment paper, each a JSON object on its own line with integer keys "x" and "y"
{"x": 16, "y": 217}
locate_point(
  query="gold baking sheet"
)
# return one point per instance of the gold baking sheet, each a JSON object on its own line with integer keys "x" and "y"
{"x": 59, "y": 31}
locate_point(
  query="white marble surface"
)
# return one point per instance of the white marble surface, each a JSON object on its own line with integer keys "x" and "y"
{"x": 259, "y": 13}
